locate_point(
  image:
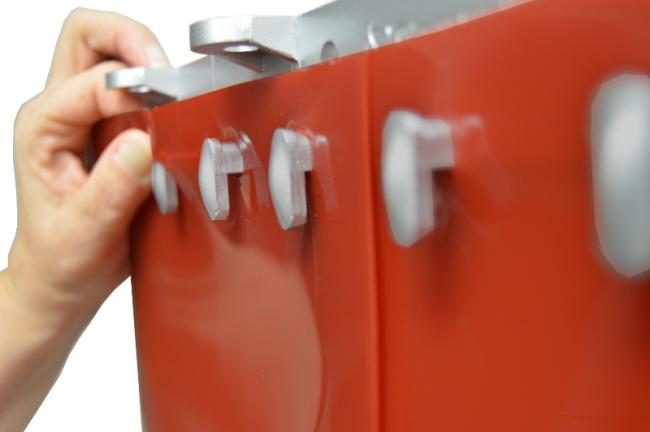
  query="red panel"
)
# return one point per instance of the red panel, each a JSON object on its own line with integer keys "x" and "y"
{"x": 240, "y": 325}
{"x": 507, "y": 318}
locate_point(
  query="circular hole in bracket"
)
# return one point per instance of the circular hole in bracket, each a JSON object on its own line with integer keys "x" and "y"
{"x": 329, "y": 51}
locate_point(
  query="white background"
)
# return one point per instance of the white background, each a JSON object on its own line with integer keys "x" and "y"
{"x": 98, "y": 389}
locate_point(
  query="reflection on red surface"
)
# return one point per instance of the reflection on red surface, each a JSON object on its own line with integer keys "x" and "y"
{"x": 246, "y": 350}
{"x": 506, "y": 318}
{"x": 242, "y": 326}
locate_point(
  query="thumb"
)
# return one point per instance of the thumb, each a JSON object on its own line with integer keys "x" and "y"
{"x": 119, "y": 182}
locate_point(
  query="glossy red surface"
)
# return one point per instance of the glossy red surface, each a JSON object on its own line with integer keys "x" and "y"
{"x": 240, "y": 325}
{"x": 506, "y": 318}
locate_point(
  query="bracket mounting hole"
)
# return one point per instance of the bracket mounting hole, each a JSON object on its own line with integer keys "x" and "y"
{"x": 329, "y": 51}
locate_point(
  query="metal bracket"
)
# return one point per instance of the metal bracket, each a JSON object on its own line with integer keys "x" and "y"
{"x": 620, "y": 142}
{"x": 291, "y": 158}
{"x": 218, "y": 160}
{"x": 164, "y": 85}
{"x": 165, "y": 189}
{"x": 258, "y": 43}
{"x": 246, "y": 48}
{"x": 413, "y": 147}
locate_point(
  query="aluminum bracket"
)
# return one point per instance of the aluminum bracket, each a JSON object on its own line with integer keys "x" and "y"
{"x": 245, "y": 48}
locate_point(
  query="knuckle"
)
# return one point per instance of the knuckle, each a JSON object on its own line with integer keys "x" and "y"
{"x": 75, "y": 16}
{"x": 28, "y": 123}
{"x": 24, "y": 112}
{"x": 147, "y": 31}
{"x": 26, "y": 116}
{"x": 21, "y": 115}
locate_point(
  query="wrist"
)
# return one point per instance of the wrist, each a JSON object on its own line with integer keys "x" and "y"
{"x": 34, "y": 349}
{"x": 21, "y": 316}
{"x": 41, "y": 290}
{"x": 38, "y": 320}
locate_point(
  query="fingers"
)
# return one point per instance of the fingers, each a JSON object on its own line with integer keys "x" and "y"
{"x": 89, "y": 37}
{"x": 84, "y": 99}
{"x": 118, "y": 184}
{"x": 66, "y": 113}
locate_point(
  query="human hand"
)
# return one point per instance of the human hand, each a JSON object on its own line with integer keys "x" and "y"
{"x": 70, "y": 249}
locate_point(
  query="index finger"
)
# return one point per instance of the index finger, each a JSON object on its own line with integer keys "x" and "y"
{"x": 89, "y": 37}
{"x": 60, "y": 118}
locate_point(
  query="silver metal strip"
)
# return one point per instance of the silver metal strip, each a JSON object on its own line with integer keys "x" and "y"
{"x": 246, "y": 48}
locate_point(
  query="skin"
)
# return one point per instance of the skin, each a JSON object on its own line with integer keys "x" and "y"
{"x": 70, "y": 251}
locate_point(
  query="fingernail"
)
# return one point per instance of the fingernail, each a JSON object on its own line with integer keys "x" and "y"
{"x": 157, "y": 57}
{"x": 134, "y": 154}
